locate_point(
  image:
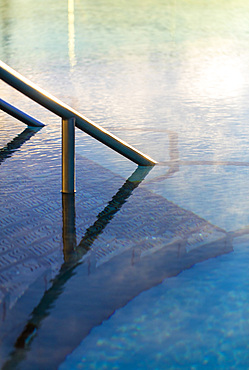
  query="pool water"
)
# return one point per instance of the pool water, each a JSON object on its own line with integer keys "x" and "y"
{"x": 196, "y": 320}
{"x": 171, "y": 79}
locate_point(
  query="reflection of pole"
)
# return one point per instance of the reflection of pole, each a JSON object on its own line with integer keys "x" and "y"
{"x": 71, "y": 34}
{"x": 68, "y": 156}
{"x": 173, "y": 153}
{"x": 113, "y": 207}
{"x": 72, "y": 260}
{"x": 69, "y": 231}
{"x": 173, "y": 146}
{"x": 174, "y": 161}
{"x": 17, "y": 142}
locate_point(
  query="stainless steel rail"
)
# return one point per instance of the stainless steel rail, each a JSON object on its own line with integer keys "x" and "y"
{"x": 17, "y": 113}
{"x": 34, "y": 92}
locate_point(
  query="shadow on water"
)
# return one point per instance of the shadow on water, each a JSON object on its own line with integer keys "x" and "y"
{"x": 17, "y": 142}
{"x": 72, "y": 259}
{"x": 87, "y": 290}
{"x": 85, "y": 293}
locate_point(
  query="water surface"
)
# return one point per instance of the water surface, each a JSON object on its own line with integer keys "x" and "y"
{"x": 170, "y": 78}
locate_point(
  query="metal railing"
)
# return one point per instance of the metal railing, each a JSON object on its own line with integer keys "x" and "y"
{"x": 17, "y": 113}
{"x": 70, "y": 118}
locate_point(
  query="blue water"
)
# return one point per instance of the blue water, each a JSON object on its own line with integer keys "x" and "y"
{"x": 170, "y": 78}
{"x": 199, "y": 319}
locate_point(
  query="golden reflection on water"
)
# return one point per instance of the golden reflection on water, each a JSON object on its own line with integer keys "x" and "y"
{"x": 71, "y": 34}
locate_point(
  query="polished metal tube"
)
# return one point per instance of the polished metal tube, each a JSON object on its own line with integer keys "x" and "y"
{"x": 68, "y": 155}
{"x": 17, "y": 113}
{"x": 47, "y": 100}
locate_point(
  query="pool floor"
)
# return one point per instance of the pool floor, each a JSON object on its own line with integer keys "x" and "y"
{"x": 114, "y": 235}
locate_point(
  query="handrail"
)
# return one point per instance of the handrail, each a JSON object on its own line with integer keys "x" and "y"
{"x": 17, "y": 113}
{"x": 34, "y": 92}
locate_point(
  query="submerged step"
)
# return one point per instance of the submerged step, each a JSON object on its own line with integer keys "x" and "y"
{"x": 132, "y": 244}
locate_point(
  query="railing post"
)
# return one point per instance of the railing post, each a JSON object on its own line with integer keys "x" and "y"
{"x": 68, "y": 155}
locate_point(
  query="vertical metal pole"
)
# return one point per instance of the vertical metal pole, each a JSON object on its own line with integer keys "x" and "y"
{"x": 68, "y": 155}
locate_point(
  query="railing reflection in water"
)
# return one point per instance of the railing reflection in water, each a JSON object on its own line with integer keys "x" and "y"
{"x": 73, "y": 254}
{"x": 97, "y": 286}
{"x": 17, "y": 142}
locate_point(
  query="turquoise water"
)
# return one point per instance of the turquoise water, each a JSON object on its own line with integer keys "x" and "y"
{"x": 170, "y": 78}
{"x": 197, "y": 320}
